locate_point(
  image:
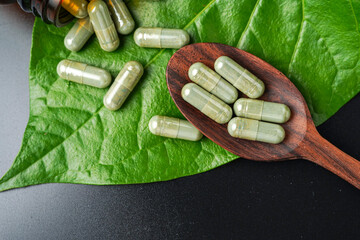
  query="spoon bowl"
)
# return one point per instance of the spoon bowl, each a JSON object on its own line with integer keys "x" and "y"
{"x": 302, "y": 140}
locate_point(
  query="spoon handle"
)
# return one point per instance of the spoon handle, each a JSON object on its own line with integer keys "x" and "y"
{"x": 320, "y": 151}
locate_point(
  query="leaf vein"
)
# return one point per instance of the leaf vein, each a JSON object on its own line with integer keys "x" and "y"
{"x": 199, "y": 14}
{"x": 327, "y": 50}
{"x": 299, "y": 36}
{"x": 356, "y": 21}
{"x": 248, "y": 23}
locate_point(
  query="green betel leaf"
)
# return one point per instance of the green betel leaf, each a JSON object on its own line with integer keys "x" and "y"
{"x": 72, "y": 138}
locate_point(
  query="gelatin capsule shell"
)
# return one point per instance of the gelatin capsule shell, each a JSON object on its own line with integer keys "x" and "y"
{"x": 83, "y": 74}
{"x": 161, "y": 38}
{"x": 79, "y": 34}
{"x": 239, "y": 77}
{"x": 103, "y": 25}
{"x": 212, "y": 82}
{"x": 174, "y": 128}
{"x": 256, "y": 130}
{"x": 206, "y": 103}
{"x": 77, "y": 8}
{"x": 262, "y": 110}
{"x": 124, "y": 83}
{"x": 121, "y": 16}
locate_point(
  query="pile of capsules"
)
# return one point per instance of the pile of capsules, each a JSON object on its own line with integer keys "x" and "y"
{"x": 211, "y": 94}
{"x": 96, "y": 16}
{"x": 108, "y": 18}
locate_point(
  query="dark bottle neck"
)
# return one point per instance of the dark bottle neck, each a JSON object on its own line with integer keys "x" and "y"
{"x": 50, "y": 11}
{"x": 25, "y": 5}
{"x": 6, "y": 1}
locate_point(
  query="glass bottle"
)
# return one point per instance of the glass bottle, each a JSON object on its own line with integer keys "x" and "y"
{"x": 50, "y": 11}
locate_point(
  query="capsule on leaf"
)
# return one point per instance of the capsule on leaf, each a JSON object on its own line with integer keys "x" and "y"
{"x": 84, "y": 74}
{"x": 174, "y": 128}
{"x": 161, "y": 38}
{"x": 79, "y": 34}
{"x": 121, "y": 16}
{"x": 124, "y": 83}
{"x": 103, "y": 25}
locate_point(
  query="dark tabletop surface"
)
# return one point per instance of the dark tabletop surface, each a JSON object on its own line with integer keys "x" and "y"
{"x": 241, "y": 200}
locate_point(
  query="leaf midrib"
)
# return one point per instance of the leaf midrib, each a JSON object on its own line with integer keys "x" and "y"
{"x": 299, "y": 36}
{"x": 249, "y": 22}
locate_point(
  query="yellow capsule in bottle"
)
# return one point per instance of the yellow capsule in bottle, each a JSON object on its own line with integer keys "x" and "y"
{"x": 212, "y": 82}
{"x": 256, "y": 130}
{"x": 161, "y": 38}
{"x": 103, "y": 25}
{"x": 239, "y": 77}
{"x": 174, "y": 128}
{"x": 79, "y": 34}
{"x": 77, "y": 8}
{"x": 262, "y": 110}
{"x": 206, "y": 103}
{"x": 121, "y": 16}
{"x": 84, "y": 74}
{"x": 124, "y": 83}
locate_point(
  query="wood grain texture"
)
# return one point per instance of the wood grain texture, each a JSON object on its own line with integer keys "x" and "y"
{"x": 302, "y": 139}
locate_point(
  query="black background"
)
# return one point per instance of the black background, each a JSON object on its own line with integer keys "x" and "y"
{"x": 241, "y": 200}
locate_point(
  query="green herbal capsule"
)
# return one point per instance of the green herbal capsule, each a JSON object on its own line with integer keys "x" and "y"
{"x": 103, "y": 25}
{"x": 255, "y": 130}
{"x": 77, "y": 8}
{"x": 161, "y": 38}
{"x": 212, "y": 82}
{"x": 79, "y": 34}
{"x": 207, "y": 103}
{"x": 121, "y": 16}
{"x": 262, "y": 110}
{"x": 124, "y": 83}
{"x": 84, "y": 74}
{"x": 174, "y": 128}
{"x": 238, "y": 76}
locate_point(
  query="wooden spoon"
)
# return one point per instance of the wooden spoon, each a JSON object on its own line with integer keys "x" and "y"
{"x": 302, "y": 140}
